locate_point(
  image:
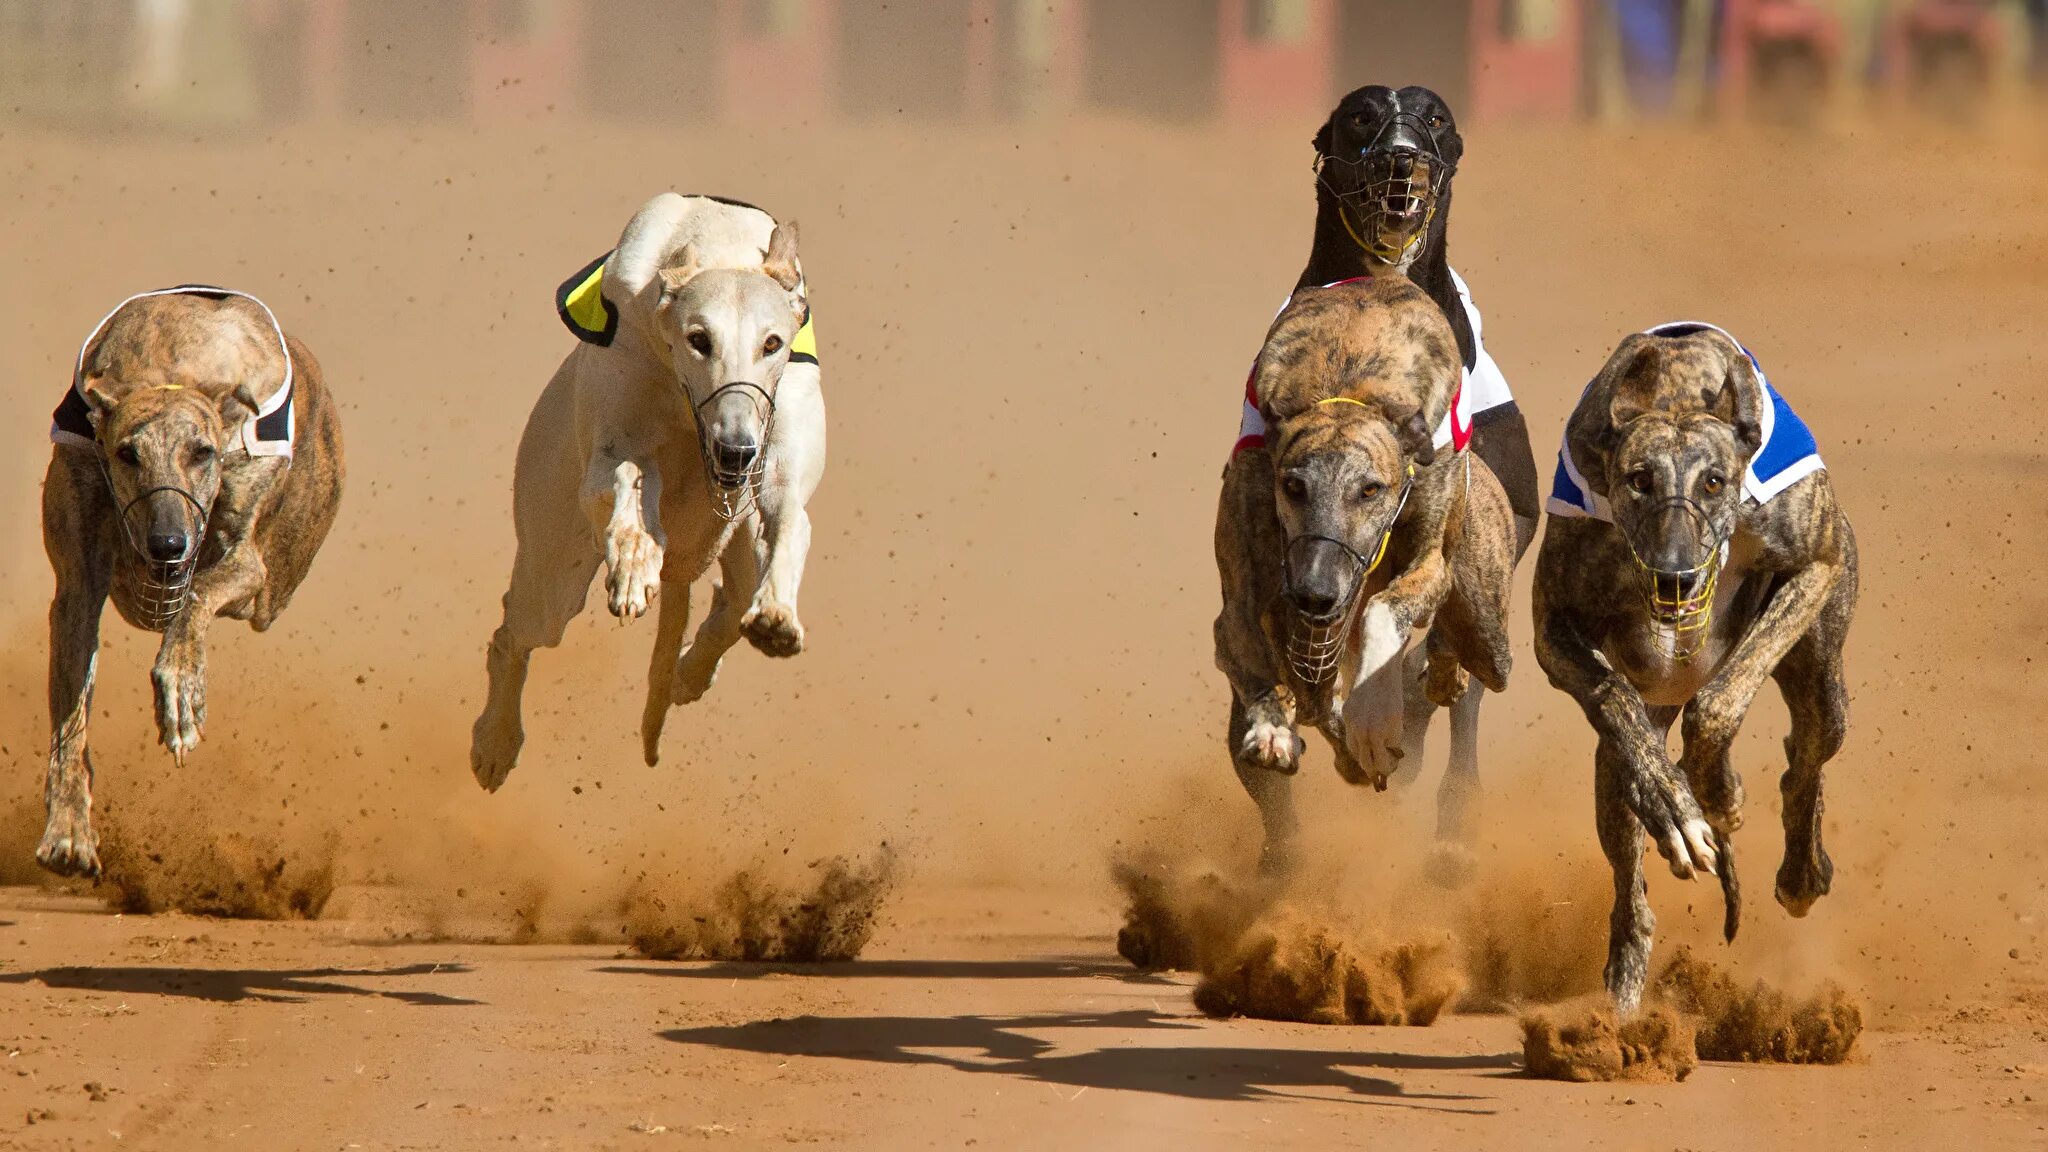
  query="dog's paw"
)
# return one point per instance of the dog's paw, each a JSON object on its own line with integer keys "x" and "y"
{"x": 1446, "y": 680}
{"x": 695, "y": 674}
{"x": 774, "y": 629}
{"x": 632, "y": 572}
{"x": 1721, "y": 797}
{"x": 180, "y": 706}
{"x": 1274, "y": 747}
{"x": 493, "y": 750}
{"x": 70, "y": 847}
{"x": 1450, "y": 864}
{"x": 1801, "y": 882}
{"x": 1689, "y": 847}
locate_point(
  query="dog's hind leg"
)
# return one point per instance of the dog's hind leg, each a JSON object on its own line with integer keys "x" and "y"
{"x": 1631, "y": 925}
{"x": 1451, "y": 862}
{"x": 672, "y": 621}
{"x": 1810, "y": 680}
{"x": 547, "y": 592}
{"x": 739, "y": 574}
{"x": 82, "y": 556}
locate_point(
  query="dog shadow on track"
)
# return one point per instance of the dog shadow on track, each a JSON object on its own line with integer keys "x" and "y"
{"x": 1002, "y": 1045}
{"x": 1044, "y": 969}
{"x": 233, "y": 985}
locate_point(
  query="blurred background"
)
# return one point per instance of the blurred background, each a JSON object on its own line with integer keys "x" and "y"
{"x": 254, "y": 62}
{"x": 1044, "y": 240}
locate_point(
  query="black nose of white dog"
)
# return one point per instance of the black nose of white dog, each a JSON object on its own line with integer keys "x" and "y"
{"x": 735, "y": 460}
{"x": 167, "y": 547}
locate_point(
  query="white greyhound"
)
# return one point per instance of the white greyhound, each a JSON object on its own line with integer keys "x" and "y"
{"x": 687, "y": 427}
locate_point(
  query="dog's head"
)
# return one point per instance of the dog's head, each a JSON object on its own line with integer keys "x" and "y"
{"x": 162, "y": 444}
{"x": 1340, "y": 478}
{"x": 728, "y": 332}
{"x": 1666, "y": 433}
{"x": 1382, "y": 343}
{"x": 1387, "y": 157}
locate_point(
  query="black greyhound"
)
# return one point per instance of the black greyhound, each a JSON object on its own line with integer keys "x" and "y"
{"x": 1385, "y": 161}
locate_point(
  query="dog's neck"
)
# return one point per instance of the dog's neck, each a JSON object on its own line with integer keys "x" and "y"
{"x": 1334, "y": 255}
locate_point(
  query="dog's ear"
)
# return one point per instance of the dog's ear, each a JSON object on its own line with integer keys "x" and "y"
{"x": 1739, "y": 402}
{"x": 1417, "y": 438}
{"x": 673, "y": 279}
{"x": 99, "y": 402}
{"x": 237, "y": 406}
{"x": 1633, "y": 391}
{"x": 1590, "y": 434}
{"x": 779, "y": 262}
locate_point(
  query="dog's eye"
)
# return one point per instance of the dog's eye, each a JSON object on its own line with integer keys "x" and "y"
{"x": 700, "y": 342}
{"x": 202, "y": 453}
{"x": 1295, "y": 487}
{"x": 126, "y": 455}
{"x": 1640, "y": 480}
{"x": 1436, "y": 122}
{"x": 771, "y": 346}
{"x": 1714, "y": 485}
{"x": 1371, "y": 491}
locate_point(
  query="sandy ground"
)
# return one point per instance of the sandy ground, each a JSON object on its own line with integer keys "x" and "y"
{"x": 1034, "y": 340}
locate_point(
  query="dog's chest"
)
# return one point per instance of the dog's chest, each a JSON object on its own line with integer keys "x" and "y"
{"x": 1663, "y": 679}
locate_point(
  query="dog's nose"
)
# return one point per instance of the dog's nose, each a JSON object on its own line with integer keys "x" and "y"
{"x": 165, "y": 547}
{"x": 735, "y": 459}
{"x": 1314, "y": 602}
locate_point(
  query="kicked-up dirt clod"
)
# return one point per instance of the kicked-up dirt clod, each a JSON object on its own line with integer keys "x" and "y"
{"x": 1759, "y": 1024}
{"x": 1584, "y": 1042}
{"x": 218, "y": 874}
{"x": 1174, "y": 918}
{"x": 750, "y": 917}
{"x": 1290, "y": 966}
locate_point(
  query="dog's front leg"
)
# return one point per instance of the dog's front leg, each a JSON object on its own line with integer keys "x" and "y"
{"x": 1641, "y": 771}
{"x": 1716, "y": 712}
{"x": 771, "y": 623}
{"x": 623, "y": 500}
{"x": 1375, "y": 710}
{"x": 180, "y": 671}
{"x": 796, "y": 463}
{"x": 82, "y": 558}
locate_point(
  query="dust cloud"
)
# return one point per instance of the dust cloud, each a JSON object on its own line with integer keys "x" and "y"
{"x": 825, "y": 917}
{"x": 1759, "y": 1023}
{"x": 1694, "y": 1010}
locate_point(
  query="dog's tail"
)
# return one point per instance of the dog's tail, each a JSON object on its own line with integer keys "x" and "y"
{"x": 1731, "y": 888}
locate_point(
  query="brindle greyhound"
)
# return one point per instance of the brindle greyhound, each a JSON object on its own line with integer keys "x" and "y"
{"x": 1347, "y": 530}
{"x": 1385, "y": 162}
{"x": 197, "y": 470}
{"x": 1695, "y": 548}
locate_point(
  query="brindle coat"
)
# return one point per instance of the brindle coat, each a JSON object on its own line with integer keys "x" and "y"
{"x": 1673, "y": 417}
{"x": 1500, "y": 436}
{"x": 1384, "y": 344}
{"x": 168, "y": 382}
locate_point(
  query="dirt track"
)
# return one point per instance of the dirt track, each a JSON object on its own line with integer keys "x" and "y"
{"x": 1032, "y": 345}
